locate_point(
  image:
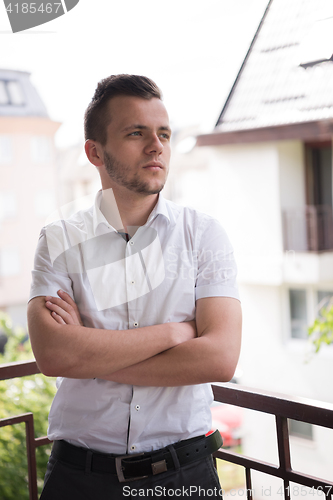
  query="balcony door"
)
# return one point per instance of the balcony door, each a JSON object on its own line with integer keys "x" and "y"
{"x": 319, "y": 174}
{"x": 319, "y": 197}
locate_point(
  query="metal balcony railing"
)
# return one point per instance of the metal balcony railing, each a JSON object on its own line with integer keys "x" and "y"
{"x": 283, "y": 409}
{"x": 23, "y": 369}
{"x": 308, "y": 228}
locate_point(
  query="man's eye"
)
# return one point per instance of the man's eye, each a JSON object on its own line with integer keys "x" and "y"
{"x": 137, "y": 132}
{"x": 165, "y": 136}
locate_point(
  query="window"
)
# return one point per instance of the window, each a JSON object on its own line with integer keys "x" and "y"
{"x": 298, "y": 314}
{"x": 9, "y": 261}
{"x": 317, "y": 47}
{"x": 11, "y": 93}
{"x": 8, "y": 206}
{"x": 40, "y": 149}
{"x": 5, "y": 149}
{"x": 304, "y": 307}
{"x": 324, "y": 297}
{"x": 300, "y": 429}
{"x": 15, "y": 93}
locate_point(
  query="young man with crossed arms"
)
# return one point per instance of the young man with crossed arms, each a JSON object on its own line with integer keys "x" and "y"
{"x": 134, "y": 307}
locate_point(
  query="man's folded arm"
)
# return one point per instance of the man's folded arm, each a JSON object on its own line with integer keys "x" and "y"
{"x": 210, "y": 357}
{"x": 78, "y": 352}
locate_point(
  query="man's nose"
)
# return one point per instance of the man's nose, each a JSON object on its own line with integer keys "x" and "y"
{"x": 154, "y": 145}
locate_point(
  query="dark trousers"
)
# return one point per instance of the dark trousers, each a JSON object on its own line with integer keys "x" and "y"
{"x": 196, "y": 480}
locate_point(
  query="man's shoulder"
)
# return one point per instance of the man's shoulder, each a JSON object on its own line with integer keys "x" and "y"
{"x": 61, "y": 234}
{"x": 75, "y": 223}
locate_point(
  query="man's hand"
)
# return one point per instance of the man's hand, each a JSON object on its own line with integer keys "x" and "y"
{"x": 64, "y": 310}
{"x": 185, "y": 331}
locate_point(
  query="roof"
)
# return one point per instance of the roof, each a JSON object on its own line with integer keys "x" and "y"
{"x": 286, "y": 77}
{"x": 18, "y": 97}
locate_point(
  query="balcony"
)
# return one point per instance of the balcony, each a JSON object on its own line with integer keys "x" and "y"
{"x": 283, "y": 408}
{"x": 308, "y": 229}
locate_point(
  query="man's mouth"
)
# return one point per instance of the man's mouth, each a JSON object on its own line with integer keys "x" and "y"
{"x": 154, "y": 166}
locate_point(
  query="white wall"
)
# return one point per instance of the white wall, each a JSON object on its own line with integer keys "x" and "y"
{"x": 272, "y": 361}
{"x": 246, "y": 183}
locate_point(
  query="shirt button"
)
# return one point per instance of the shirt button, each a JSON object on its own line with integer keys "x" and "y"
{"x": 137, "y": 407}
{"x": 132, "y": 447}
{"x": 132, "y": 282}
{"x": 131, "y": 242}
{"x": 136, "y": 324}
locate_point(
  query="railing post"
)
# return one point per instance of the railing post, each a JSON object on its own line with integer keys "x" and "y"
{"x": 248, "y": 483}
{"x": 284, "y": 451}
{"x": 31, "y": 455}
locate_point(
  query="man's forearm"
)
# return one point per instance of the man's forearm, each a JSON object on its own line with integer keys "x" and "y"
{"x": 194, "y": 362}
{"x": 78, "y": 352}
{"x": 210, "y": 357}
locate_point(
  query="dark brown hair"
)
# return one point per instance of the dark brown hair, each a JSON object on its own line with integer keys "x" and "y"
{"x": 95, "y": 117}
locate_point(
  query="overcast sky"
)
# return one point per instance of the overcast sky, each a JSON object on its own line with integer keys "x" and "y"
{"x": 192, "y": 49}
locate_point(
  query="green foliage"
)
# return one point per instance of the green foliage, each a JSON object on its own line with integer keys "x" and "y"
{"x": 321, "y": 332}
{"x": 21, "y": 395}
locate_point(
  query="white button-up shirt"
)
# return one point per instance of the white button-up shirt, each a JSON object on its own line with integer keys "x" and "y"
{"x": 179, "y": 255}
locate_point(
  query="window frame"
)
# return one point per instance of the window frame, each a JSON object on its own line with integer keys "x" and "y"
{"x": 312, "y": 310}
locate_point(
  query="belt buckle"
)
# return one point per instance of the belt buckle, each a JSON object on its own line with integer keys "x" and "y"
{"x": 119, "y": 468}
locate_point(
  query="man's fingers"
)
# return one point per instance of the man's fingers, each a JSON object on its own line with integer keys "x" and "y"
{"x": 58, "y": 318}
{"x": 60, "y": 302}
{"x": 66, "y": 297}
{"x": 59, "y": 311}
{"x": 74, "y": 311}
{"x": 66, "y": 309}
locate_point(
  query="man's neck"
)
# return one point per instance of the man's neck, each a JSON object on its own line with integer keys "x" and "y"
{"x": 126, "y": 212}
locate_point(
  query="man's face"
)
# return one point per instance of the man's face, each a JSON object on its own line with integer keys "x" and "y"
{"x": 137, "y": 151}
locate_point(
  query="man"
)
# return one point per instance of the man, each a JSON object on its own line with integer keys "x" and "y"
{"x": 134, "y": 307}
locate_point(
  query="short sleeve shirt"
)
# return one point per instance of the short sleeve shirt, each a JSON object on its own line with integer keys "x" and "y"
{"x": 179, "y": 256}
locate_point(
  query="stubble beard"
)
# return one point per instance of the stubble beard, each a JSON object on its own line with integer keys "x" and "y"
{"x": 120, "y": 174}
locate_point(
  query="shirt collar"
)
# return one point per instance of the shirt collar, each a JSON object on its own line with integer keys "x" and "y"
{"x": 98, "y": 217}
{"x": 161, "y": 208}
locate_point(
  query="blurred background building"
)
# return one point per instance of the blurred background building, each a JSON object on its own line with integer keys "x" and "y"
{"x": 28, "y": 185}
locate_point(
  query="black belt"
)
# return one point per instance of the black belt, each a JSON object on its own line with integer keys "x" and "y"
{"x": 139, "y": 465}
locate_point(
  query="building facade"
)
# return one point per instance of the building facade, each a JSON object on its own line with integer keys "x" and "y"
{"x": 28, "y": 185}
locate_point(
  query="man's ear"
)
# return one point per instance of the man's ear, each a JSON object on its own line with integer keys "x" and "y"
{"x": 94, "y": 152}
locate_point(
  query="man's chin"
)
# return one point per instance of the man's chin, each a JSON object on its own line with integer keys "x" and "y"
{"x": 149, "y": 191}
